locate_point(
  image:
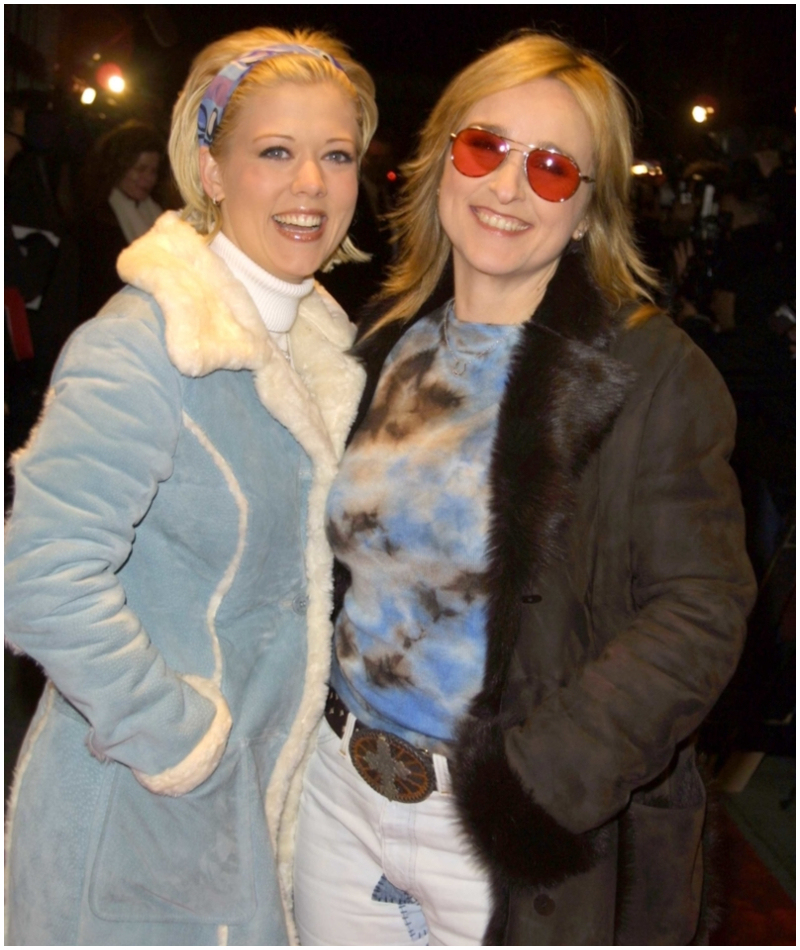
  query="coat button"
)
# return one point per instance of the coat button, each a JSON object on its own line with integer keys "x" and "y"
{"x": 531, "y": 598}
{"x": 544, "y": 904}
{"x": 300, "y": 603}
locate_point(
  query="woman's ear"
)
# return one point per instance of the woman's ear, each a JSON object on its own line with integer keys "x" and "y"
{"x": 211, "y": 176}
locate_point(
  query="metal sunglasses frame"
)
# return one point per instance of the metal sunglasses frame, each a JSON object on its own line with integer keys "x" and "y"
{"x": 525, "y": 151}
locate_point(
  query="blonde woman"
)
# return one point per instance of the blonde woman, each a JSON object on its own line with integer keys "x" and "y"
{"x": 542, "y": 568}
{"x": 166, "y": 561}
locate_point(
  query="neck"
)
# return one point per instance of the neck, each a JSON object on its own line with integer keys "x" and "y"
{"x": 277, "y": 301}
{"x": 486, "y": 298}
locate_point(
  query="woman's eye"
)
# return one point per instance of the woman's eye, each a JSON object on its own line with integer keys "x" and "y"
{"x": 340, "y": 157}
{"x": 552, "y": 164}
{"x": 276, "y": 151}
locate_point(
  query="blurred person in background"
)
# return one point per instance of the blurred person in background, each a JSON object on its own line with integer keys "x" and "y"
{"x": 119, "y": 176}
{"x": 40, "y": 263}
{"x": 166, "y": 561}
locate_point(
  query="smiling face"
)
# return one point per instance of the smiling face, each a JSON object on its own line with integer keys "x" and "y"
{"x": 288, "y": 180}
{"x": 139, "y": 180}
{"x": 506, "y": 239}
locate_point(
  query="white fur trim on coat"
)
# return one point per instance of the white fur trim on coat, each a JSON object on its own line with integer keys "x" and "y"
{"x": 211, "y": 323}
{"x": 204, "y": 757}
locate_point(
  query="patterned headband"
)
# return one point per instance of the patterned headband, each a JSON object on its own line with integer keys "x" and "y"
{"x": 224, "y": 84}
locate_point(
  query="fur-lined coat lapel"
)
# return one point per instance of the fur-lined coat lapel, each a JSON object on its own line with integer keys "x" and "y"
{"x": 211, "y": 323}
{"x": 562, "y": 397}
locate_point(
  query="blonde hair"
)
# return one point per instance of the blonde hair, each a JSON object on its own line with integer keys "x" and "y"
{"x": 612, "y": 256}
{"x": 200, "y": 211}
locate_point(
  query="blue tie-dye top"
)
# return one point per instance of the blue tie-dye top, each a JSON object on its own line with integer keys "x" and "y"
{"x": 408, "y": 515}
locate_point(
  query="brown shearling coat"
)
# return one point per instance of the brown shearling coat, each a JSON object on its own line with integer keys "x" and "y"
{"x": 618, "y": 593}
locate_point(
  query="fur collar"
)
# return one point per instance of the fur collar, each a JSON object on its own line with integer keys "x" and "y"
{"x": 211, "y": 323}
{"x": 563, "y": 395}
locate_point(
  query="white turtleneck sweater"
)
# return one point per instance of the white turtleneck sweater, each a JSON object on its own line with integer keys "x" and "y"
{"x": 277, "y": 301}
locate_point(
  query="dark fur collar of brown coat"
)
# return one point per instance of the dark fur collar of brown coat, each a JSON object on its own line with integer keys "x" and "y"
{"x": 563, "y": 394}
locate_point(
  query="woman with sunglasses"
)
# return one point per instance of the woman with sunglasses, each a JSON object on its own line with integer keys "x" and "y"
{"x": 542, "y": 581}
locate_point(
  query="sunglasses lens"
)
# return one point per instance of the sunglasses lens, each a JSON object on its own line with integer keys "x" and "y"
{"x": 476, "y": 153}
{"x": 552, "y": 176}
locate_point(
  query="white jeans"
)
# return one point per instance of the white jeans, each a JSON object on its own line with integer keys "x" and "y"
{"x": 372, "y": 872}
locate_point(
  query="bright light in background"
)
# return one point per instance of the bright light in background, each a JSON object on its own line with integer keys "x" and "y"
{"x": 116, "y": 84}
{"x": 642, "y": 167}
{"x": 108, "y": 73}
{"x": 705, "y": 106}
{"x": 88, "y": 96}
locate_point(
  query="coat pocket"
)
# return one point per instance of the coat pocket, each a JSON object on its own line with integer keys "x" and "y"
{"x": 661, "y": 874}
{"x": 181, "y": 859}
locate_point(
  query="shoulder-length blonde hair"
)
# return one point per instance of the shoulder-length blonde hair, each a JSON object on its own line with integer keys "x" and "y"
{"x": 200, "y": 211}
{"x": 424, "y": 248}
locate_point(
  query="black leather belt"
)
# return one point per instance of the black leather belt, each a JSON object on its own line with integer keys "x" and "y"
{"x": 393, "y": 767}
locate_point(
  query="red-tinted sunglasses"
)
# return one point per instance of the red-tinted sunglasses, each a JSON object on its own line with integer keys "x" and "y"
{"x": 552, "y": 175}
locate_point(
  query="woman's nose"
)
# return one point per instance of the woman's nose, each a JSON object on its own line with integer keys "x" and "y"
{"x": 509, "y": 180}
{"x": 309, "y": 179}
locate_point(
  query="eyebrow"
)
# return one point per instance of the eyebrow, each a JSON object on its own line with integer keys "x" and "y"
{"x": 504, "y": 133}
{"x": 291, "y": 138}
{"x": 489, "y": 127}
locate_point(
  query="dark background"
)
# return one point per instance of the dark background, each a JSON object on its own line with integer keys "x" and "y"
{"x": 668, "y": 55}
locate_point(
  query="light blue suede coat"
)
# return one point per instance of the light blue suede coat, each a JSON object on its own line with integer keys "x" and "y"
{"x": 166, "y": 564}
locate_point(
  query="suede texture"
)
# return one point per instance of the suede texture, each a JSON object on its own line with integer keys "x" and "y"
{"x": 166, "y": 563}
{"x": 618, "y": 593}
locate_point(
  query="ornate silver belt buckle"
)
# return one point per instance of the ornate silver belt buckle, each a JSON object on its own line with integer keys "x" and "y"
{"x": 392, "y": 766}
